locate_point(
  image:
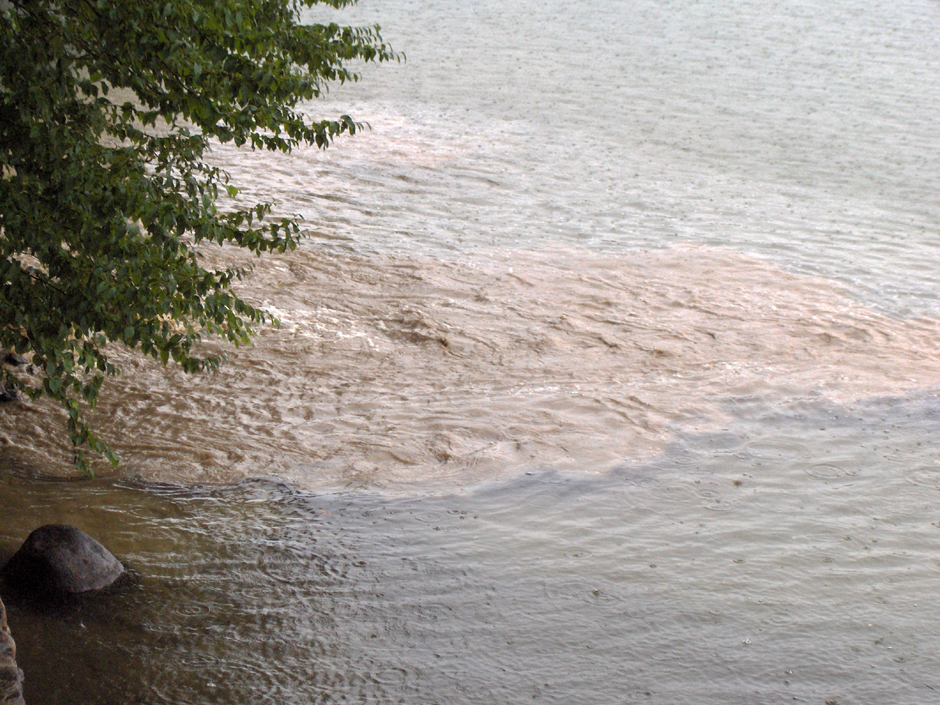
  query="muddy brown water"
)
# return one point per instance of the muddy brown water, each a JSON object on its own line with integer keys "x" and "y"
{"x": 608, "y": 373}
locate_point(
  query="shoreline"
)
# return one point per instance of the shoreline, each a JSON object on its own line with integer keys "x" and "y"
{"x": 11, "y": 676}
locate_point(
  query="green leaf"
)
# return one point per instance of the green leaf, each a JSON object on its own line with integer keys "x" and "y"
{"x": 111, "y": 193}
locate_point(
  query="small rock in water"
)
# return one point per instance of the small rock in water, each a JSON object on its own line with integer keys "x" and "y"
{"x": 57, "y": 559}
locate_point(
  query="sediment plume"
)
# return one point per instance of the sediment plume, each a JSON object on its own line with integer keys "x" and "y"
{"x": 390, "y": 371}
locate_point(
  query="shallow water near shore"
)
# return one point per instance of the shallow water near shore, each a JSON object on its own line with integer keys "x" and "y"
{"x": 608, "y": 373}
{"x": 733, "y": 568}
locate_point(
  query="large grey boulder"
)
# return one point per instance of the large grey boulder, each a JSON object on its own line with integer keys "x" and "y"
{"x": 58, "y": 559}
{"x": 11, "y": 677}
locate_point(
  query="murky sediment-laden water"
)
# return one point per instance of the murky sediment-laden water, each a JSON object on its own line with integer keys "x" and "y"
{"x": 740, "y": 566}
{"x": 608, "y": 373}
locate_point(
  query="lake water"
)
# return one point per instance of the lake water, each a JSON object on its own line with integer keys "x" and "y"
{"x": 608, "y": 373}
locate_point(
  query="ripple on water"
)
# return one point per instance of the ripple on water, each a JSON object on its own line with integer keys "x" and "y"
{"x": 713, "y": 497}
{"x": 925, "y": 475}
{"x": 720, "y": 504}
{"x": 388, "y": 676}
{"x": 826, "y": 471}
{"x": 777, "y": 450}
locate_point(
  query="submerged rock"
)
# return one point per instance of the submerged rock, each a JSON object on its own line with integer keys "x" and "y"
{"x": 11, "y": 677}
{"x": 58, "y": 559}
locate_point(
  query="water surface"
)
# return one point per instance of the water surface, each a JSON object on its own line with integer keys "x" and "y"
{"x": 735, "y": 568}
{"x": 607, "y": 374}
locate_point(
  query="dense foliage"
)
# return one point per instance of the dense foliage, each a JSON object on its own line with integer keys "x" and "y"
{"x": 107, "y": 108}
